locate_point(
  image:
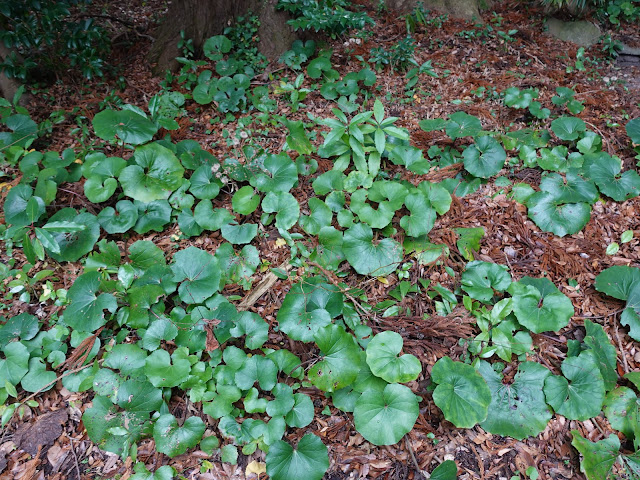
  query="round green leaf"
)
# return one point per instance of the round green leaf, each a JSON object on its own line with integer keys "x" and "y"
{"x": 384, "y": 362}
{"x": 257, "y": 369}
{"x": 15, "y": 363}
{"x": 518, "y": 409}
{"x": 580, "y": 393}
{"x": 309, "y": 461}
{"x": 164, "y": 370}
{"x": 120, "y": 219}
{"x": 99, "y": 190}
{"x": 128, "y": 126}
{"x": 204, "y": 184}
{"x": 15, "y": 206}
{"x": 309, "y": 305}
{"x": 239, "y": 234}
{"x": 384, "y": 418}
{"x": 173, "y": 440}
{"x": 254, "y": 327}
{"x": 210, "y": 218}
{"x": 245, "y": 201}
{"x": 152, "y": 216}
{"x": 481, "y": 279}
{"x": 461, "y": 124}
{"x": 461, "y": 394}
{"x": 540, "y": 310}
{"x": 320, "y": 217}
{"x": 277, "y": 173}
{"x": 552, "y": 216}
{"x": 342, "y": 359}
{"x": 330, "y": 181}
{"x": 153, "y": 175}
{"x": 368, "y": 258}
{"x": 633, "y": 130}
{"x": 38, "y": 377}
{"x": 622, "y": 408}
{"x": 604, "y": 170}
{"x": 85, "y": 312}
{"x": 302, "y": 412}
{"x": 574, "y": 190}
{"x": 199, "y": 273}
{"x": 485, "y": 158}
{"x": 568, "y": 128}
{"x": 618, "y": 281}
{"x": 285, "y": 206}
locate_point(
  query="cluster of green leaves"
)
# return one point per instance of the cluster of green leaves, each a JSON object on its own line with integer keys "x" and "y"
{"x": 399, "y": 57}
{"x": 42, "y": 35}
{"x": 332, "y": 17}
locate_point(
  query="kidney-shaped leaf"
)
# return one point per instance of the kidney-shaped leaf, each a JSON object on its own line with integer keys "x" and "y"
{"x": 568, "y": 128}
{"x": 199, "y": 273}
{"x": 461, "y": 394}
{"x": 540, "y": 306}
{"x": 154, "y": 174}
{"x": 383, "y": 418}
{"x": 485, "y": 158}
{"x": 604, "y": 170}
{"x": 384, "y": 362}
{"x": 173, "y": 440}
{"x": 517, "y": 410}
{"x": 309, "y": 461}
{"x": 618, "y": 281}
{"x": 368, "y": 258}
{"x": 481, "y": 279}
{"x": 85, "y": 312}
{"x": 127, "y": 125}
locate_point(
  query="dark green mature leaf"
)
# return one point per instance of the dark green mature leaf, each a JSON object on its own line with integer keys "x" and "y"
{"x": 622, "y": 408}
{"x": 309, "y": 305}
{"x": 75, "y": 243}
{"x": 277, "y": 173}
{"x": 164, "y": 370}
{"x": 153, "y": 174}
{"x": 568, "y": 128}
{"x": 384, "y": 362}
{"x": 309, "y": 461}
{"x": 618, "y": 281}
{"x": 15, "y": 363}
{"x": 128, "y": 126}
{"x": 605, "y": 353}
{"x": 447, "y": 470}
{"x": 461, "y": 394}
{"x": 302, "y": 412}
{"x": 285, "y": 206}
{"x": 257, "y": 369}
{"x": 38, "y": 378}
{"x": 484, "y": 158}
{"x": 423, "y": 215}
{"x": 599, "y": 457}
{"x": 85, "y": 312}
{"x": 120, "y": 219}
{"x": 580, "y": 393}
{"x": 384, "y": 418}
{"x": 633, "y": 130}
{"x": 342, "y": 359}
{"x": 557, "y": 217}
{"x": 540, "y": 306}
{"x": 368, "y": 258}
{"x": 15, "y": 206}
{"x": 604, "y": 170}
{"x": 254, "y": 327}
{"x": 173, "y": 440}
{"x": 481, "y": 279}
{"x": 461, "y": 124}
{"x": 518, "y": 409}
{"x": 199, "y": 273}
{"x": 204, "y": 184}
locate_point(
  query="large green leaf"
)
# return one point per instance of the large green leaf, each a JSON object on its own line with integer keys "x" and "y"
{"x": 618, "y": 281}
{"x": 384, "y": 362}
{"x": 518, "y": 409}
{"x": 461, "y": 124}
{"x": 277, "y": 173}
{"x": 633, "y": 130}
{"x": 599, "y": 457}
{"x": 574, "y": 189}
{"x": 153, "y": 174}
{"x": 15, "y": 363}
{"x": 309, "y": 461}
{"x": 199, "y": 273}
{"x": 257, "y": 369}
{"x": 15, "y": 206}
{"x": 461, "y": 394}
{"x": 320, "y": 217}
{"x": 484, "y": 158}
{"x": 85, "y": 312}
{"x": 604, "y": 170}
{"x": 481, "y": 279}
{"x": 422, "y": 217}
{"x": 341, "y": 359}
{"x": 127, "y": 125}
{"x": 622, "y": 408}
{"x": 383, "y": 418}
{"x": 164, "y": 370}
{"x": 204, "y": 184}
{"x": 309, "y": 305}
{"x": 73, "y": 244}
{"x": 568, "y": 128}
{"x": 579, "y": 394}
{"x": 285, "y": 206}
{"x": 367, "y": 258}
{"x": 120, "y": 219}
{"x": 38, "y": 378}
{"x": 540, "y": 306}
{"x": 173, "y": 440}
{"x": 253, "y": 327}
{"x": 560, "y": 218}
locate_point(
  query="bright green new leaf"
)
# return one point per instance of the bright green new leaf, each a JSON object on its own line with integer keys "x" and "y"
{"x": 154, "y": 172}
{"x": 342, "y": 359}
{"x": 199, "y": 273}
{"x": 309, "y": 461}
{"x": 368, "y": 258}
{"x": 579, "y": 394}
{"x": 384, "y": 362}
{"x": 173, "y": 440}
{"x": 518, "y": 409}
{"x": 461, "y": 394}
{"x": 384, "y": 418}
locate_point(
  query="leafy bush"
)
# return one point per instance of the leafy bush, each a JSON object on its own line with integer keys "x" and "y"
{"x": 332, "y": 17}
{"x": 42, "y": 34}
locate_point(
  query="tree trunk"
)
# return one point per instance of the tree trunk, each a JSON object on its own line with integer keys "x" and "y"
{"x": 9, "y": 86}
{"x": 201, "y": 19}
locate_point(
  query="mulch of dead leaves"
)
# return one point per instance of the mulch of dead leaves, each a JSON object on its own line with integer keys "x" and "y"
{"x": 49, "y": 442}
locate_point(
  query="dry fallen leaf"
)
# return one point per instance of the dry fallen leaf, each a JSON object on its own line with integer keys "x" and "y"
{"x": 256, "y": 468}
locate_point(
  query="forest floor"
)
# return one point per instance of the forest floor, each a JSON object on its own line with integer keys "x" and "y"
{"x": 471, "y": 67}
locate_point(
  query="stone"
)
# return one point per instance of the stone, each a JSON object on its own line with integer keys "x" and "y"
{"x": 580, "y": 32}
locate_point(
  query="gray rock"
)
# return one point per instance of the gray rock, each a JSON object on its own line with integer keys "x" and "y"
{"x": 580, "y": 32}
